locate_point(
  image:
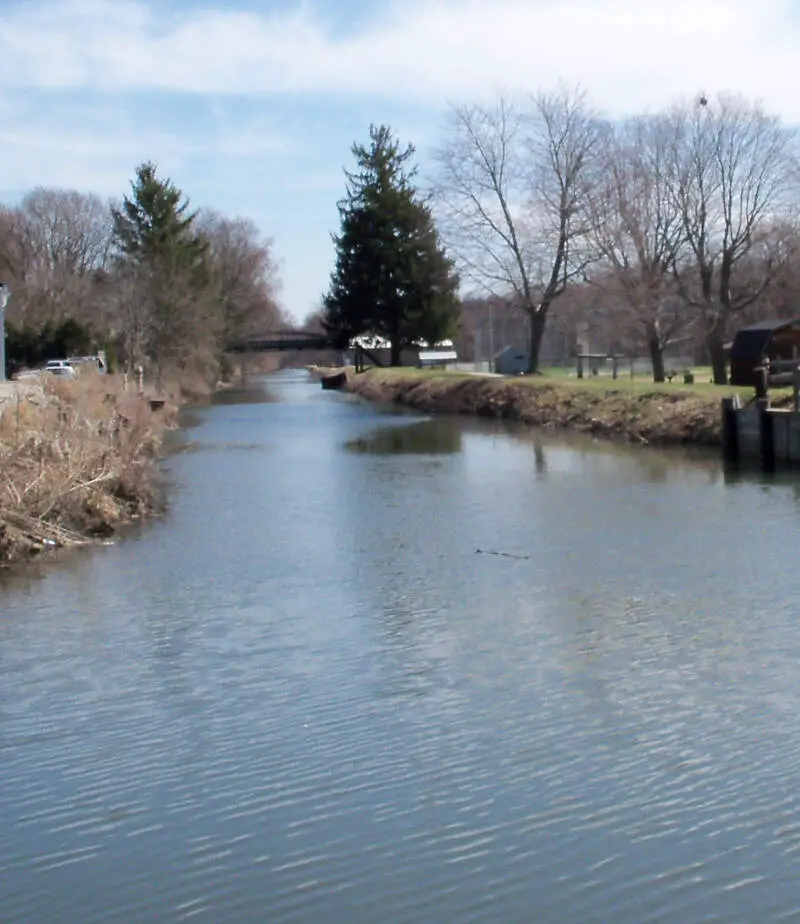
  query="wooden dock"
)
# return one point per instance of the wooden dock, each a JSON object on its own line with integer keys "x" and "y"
{"x": 760, "y": 433}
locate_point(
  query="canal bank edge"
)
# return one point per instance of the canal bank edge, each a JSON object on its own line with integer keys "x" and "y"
{"x": 78, "y": 460}
{"x": 637, "y": 412}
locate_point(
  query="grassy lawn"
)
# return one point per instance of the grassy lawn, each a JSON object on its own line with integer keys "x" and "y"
{"x": 565, "y": 377}
{"x": 702, "y": 384}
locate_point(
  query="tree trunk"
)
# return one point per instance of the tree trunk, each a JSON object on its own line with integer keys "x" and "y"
{"x": 715, "y": 317}
{"x": 537, "y": 334}
{"x": 656, "y": 353}
{"x": 716, "y": 351}
{"x": 715, "y": 344}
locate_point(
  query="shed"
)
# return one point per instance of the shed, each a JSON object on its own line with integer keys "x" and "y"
{"x": 512, "y": 361}
{"x": 777, "y": 341}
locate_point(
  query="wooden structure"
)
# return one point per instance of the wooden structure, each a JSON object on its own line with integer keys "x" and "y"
{"x": 761, "y": 433}
{"x": 773, "y": 346}
{"x": 364, "y": 358}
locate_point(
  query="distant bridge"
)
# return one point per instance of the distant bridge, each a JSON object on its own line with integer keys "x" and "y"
{"x": 282, "y": 340}
{"x": 285, "y": 340}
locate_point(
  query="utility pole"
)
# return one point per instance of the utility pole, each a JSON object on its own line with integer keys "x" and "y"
{"x": 4, "y": 294}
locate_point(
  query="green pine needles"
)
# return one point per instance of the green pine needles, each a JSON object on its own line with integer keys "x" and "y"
{"x": 392, "y": 276}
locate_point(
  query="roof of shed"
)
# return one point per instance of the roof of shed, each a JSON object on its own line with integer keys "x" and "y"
{"x": 752, "y": 342}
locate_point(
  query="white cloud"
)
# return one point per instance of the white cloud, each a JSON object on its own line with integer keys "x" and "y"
{"x": 83, "y": 83}
{"x": 97, "y": 147}
{"x": 630, "y": 54}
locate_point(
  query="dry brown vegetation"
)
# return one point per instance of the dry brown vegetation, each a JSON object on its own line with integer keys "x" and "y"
{"x": 662, "y": 415}
{"x": 77, "y": 460}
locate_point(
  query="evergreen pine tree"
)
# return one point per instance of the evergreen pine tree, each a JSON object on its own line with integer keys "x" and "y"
{"x": 166, "y": 259}
{"x": 155, "y": 223}
{"x": 392, "y": 277}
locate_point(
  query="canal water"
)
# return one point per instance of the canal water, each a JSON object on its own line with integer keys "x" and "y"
{"x": 378, "y": 667}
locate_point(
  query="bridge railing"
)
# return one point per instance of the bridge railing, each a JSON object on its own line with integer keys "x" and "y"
{"x": 281, "y": 340}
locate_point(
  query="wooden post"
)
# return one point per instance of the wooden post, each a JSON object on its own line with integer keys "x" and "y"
{"x": 580, "y": 366}
{"x": 614, "y": 367}
{"x": 767, "y": 436}
{"x": 730, "y": 428}
{"x": 796, "y": 388}
{"x": 761, "y": 384}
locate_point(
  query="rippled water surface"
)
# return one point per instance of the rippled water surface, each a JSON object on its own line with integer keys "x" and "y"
{"x": 304, "y": 695}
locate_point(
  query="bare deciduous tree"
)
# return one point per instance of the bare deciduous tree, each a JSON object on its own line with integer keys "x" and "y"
{"x": 510, "y": 184}
{"x": 735, "y": 174}
{"x": 63, "y": 240}
{"x": 244, "y": 275}
{"x": 635, "y": 225}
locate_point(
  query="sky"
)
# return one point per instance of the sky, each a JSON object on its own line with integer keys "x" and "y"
{"x": 251, "y": 106}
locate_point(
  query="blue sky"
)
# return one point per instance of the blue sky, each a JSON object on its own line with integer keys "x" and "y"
{"x": 251, "y": 106}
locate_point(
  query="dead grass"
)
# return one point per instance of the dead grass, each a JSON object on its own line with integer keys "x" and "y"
{"x": 637, "y": 411}
{"x": 76, "y": 461}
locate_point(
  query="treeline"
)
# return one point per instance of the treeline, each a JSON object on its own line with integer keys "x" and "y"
{"x": 646, "y": 236}
{"x": 148, "y": 280}
{"x": 669, "y": 229}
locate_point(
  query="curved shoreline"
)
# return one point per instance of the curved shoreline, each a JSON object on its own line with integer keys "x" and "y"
{"x": 640, "y": 412}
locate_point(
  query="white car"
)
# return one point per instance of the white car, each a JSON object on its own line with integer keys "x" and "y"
{"x": 60, "y": 367}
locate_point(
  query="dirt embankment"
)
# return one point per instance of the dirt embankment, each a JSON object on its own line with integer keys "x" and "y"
{"x": 662, "y": 415}
{"x": 77, "y": 460}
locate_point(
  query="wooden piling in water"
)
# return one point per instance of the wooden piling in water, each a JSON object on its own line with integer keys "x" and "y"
{"x": 767, "y": 436}
{"x": 730, "y": 428}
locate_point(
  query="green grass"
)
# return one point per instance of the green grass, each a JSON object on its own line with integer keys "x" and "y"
{"x": 702, "y": 384}
{"x": 639, "y": 384}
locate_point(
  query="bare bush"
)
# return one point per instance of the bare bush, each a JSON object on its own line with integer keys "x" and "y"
{"x": 76, "y": 461}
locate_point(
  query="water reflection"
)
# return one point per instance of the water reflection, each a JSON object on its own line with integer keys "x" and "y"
{"x": 428, "y": 437}
{"x": 655, "y": 464}
{"x": 255, "y": 392}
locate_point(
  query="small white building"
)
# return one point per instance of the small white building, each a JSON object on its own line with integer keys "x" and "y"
{"x": 512, "y": 361}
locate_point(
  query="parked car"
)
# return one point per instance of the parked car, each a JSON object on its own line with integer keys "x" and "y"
{"x": 60, "y": 367}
